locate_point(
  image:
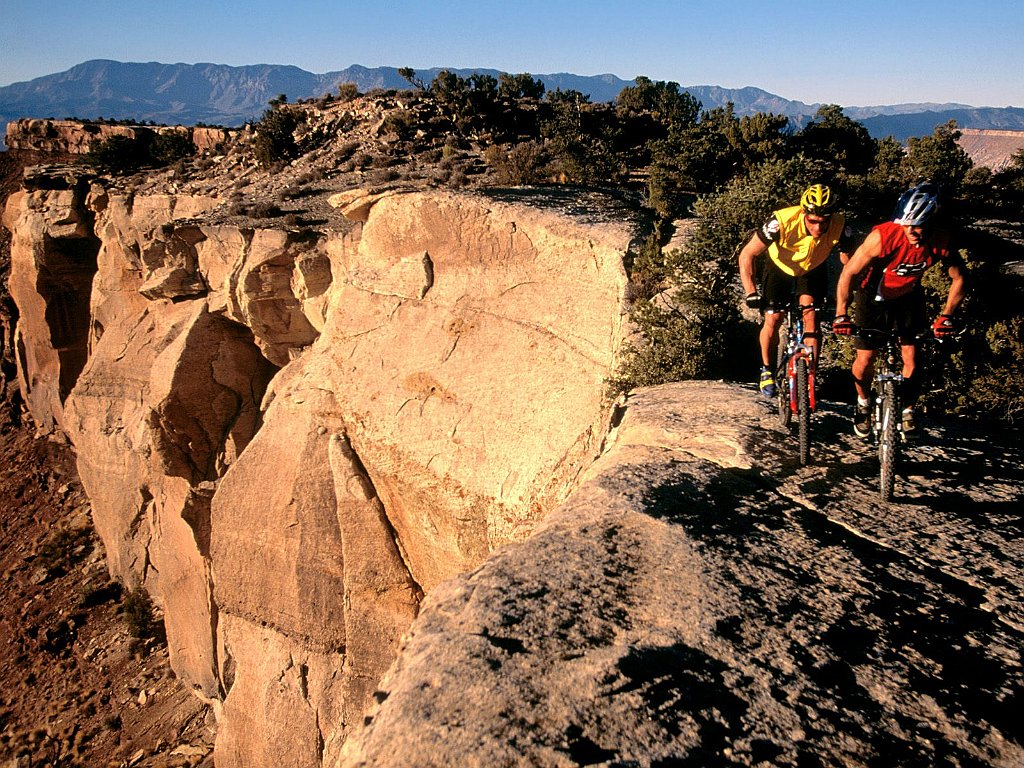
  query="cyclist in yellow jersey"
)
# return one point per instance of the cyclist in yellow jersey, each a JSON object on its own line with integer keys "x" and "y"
{"x": 797, "y": 241}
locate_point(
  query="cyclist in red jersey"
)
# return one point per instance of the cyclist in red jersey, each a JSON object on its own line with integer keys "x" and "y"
{"x": 887, "y": 268}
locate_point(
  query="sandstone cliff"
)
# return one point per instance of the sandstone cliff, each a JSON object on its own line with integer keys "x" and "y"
{"x": 993, "y": 149}
{"x": 367, "y": 468}
{"x": 289, "y": 439}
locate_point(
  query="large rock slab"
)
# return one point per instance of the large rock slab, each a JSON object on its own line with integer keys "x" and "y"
{"x": 470, "y": 343}
{"x": 683, "y": 607}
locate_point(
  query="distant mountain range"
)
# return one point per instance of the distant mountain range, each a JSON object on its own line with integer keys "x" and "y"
{"x": 217, "y": 94}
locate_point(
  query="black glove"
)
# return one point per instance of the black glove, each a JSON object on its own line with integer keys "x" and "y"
{"x": 754, "y": 300}
{"x": 943, "y": 326}
{"x": 843, "y": 326}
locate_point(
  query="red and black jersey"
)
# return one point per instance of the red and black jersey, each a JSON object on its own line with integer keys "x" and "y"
{"x": 899, "y": 269}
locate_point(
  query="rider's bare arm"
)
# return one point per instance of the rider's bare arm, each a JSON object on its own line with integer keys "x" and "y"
{"x": 868, "y": 251}
{"x": 957, "y": 288}
{"x": 755, "y": 247}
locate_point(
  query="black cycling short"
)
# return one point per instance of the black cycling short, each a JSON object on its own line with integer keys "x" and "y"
{"x": 906, "y": 315}
{"x": 778, "y": 288}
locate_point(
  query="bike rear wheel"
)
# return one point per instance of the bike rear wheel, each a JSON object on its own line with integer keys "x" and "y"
{"x": 888, "y": 442}
{"x": 803, "y": 410}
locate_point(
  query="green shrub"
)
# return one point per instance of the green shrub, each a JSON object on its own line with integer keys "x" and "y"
{"x": 348, "y": 92}
{"x": 401, "y": 122}
{"x": 63, "y": 546}
{"x": 649, "y": 268}
{"x": 669, "y": 106}
{"x": 118, "y": 155}
{"x": 265, "y": 210}
{"x": 997, "y": 390}
{"x": 937, "y": 158}
{"x": 522, "y": 163}
{"x": 409, "y": 74}
{"x": 982, "y": 375}
{"x": 581, "y": 139}
{"x": 678, "y": 343}
{"x": 521, "y": 86}
{"x": 834, "y": 138}
{"x": 140, "y": 615}
{"x": 274, "y": 140}
{"x": 170, "y": 147}
{"x": 694, "y": 329}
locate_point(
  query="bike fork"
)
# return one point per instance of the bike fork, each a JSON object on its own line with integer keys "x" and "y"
{"x": 791, "y": 378}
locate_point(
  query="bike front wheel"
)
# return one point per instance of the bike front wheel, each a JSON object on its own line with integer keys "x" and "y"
{"x": 888, "y": 442}
{"x": 782, "y": 388}
{"x": 803, "y": 410}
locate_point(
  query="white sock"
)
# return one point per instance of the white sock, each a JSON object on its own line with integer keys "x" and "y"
{"x": 862, "y": 401}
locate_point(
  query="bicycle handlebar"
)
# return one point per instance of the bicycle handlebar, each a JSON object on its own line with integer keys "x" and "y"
{"x": 877, "y": 334}
{"x": 794, "y": 304}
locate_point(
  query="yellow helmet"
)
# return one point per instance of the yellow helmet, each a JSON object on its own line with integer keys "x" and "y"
{"x": 817, "y": 199}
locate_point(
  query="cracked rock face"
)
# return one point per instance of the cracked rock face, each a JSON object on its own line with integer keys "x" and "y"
{"x": 476, "y": 405}
{"x": 414, "y": 437}
{"x": 290, "y": 439}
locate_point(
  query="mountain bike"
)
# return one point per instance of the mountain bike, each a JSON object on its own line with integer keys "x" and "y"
{"x": 794, "y": 379}
{"x": 886, "y": 429}
{"x": 886, "y": 414}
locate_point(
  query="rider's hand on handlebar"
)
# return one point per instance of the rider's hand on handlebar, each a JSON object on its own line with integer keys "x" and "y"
{"x": 943, "y": 327}
{"x": 753, "y": 300}
{"x": 843, "y": 326}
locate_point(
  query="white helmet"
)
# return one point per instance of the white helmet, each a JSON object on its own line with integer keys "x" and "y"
{"x": 917, "y": 205}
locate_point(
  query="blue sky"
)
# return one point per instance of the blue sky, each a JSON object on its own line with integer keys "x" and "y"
{"x": 854, "y": 53}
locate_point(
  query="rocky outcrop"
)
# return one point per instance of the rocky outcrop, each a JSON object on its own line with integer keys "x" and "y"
{"x": 77, "y": 137}
{"x": 412, "y": 439}
{"x": 208, "y": 139}
{"x": 51, "y": 281}
{"x": 289, "y": 439}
